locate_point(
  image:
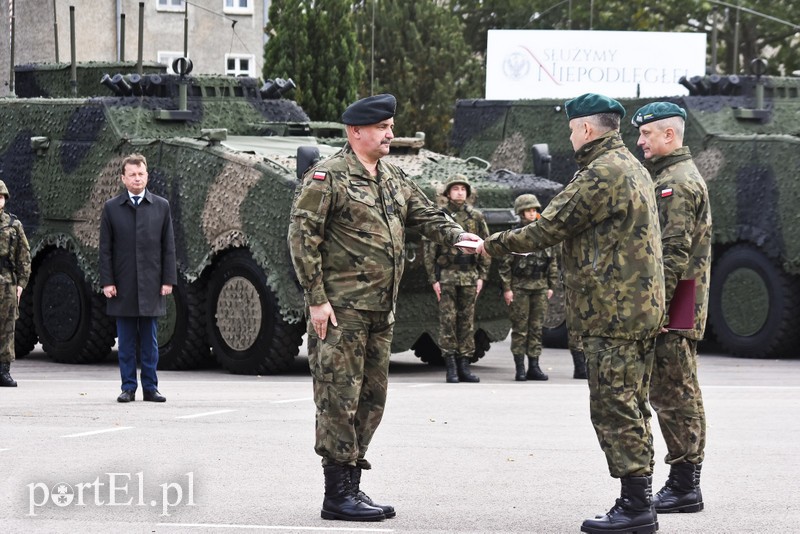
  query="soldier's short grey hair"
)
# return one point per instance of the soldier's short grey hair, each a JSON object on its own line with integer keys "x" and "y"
{"x": 605, "y": 121}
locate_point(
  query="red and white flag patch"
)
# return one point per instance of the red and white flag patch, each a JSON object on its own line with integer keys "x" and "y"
{"x": 319, "y": 175}
{"x": 667, "y": 192}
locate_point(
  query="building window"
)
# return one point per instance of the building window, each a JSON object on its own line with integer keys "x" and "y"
{"x": 167, "y": 57}
{"x": 240, "y": 65}
{"x": 170, "y": 5}
{"x": 238, "y": 7}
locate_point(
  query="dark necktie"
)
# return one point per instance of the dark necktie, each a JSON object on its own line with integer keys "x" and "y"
{"x": 136, "y": 199}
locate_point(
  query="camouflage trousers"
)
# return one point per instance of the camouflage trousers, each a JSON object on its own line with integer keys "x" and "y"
{"x": 8, "y": 319}
{"x": 457, "y": 320}
{"x": 350, "y": 370}
{"x": 619, "y": 379}
{"x": 677, "y": 400}
{"x": 527, "y": 318}
{"x": 574, "y": 341}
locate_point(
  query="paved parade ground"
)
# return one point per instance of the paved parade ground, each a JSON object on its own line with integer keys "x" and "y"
{"x": 231, "y": 453}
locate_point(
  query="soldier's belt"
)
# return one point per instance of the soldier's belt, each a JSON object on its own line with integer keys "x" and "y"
{"x": 464, "y": 260}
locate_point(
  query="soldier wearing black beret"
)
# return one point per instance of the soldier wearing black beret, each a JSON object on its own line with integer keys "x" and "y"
{"x": 347, "y": 240}
{"x": 607, "y": 219}
{"x": 685, "y": 215}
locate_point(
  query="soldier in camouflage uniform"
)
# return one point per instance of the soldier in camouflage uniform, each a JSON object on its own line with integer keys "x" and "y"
{"x": 15, "y": 270}
{"x": 685, "y": 216}
{"x": 607, "y": 219}
{"x": 347, "y": 241}
{"x": 457, "y": 279}
{"x": 528, "y": 283}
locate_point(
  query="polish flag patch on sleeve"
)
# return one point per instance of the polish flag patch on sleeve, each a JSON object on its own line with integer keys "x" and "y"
{"x": 666, "y": 192}
{"x": 319, "y": 175}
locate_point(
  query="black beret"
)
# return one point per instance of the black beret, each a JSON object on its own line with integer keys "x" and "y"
{"x": 592, "y": 104}
{"x": 370, "y": 110}
{"x": 655, "y": 111}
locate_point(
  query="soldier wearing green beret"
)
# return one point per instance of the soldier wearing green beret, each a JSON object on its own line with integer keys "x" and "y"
{"x": 685, "y": 215}
{"x": 347, "y": 241}
{"x": 457, "y": 279}
{"x": 528, "y": 282}
{"x": 15, "y": 270}
{"x": 607, "y": 219}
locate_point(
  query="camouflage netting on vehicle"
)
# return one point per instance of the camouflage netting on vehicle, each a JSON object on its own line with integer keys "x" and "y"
{"x": 53, "y": 81}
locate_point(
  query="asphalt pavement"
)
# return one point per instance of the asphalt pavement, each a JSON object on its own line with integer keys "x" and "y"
{"x": 231, "y": 453}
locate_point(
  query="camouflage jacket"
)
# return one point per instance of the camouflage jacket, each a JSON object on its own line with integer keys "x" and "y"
{"x": 537, "y": 270}
{"x": 449, "y": 265}
{"x": 347, "y": 231}
{"x": 15, "y": 252}
{"x": 685, "y": 215}
{"x": 608, "y": 220}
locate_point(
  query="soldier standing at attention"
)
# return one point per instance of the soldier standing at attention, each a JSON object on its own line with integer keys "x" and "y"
{"x": 15, "y": 270}
{"x": 347, "y": 241}
{"x": 528, "y": 283}
{"x": 685, "y": 215}
{"x": 607, "y": 219}
{"x": 457, "y": 279}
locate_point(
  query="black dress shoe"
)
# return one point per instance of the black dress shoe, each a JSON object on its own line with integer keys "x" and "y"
{"x": 154, "y": 396}
{"x": 127, "y": 395}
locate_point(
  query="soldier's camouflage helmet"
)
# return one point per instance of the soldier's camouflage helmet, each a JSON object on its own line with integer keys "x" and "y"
{"x": 457, "y": 179}
{"x": 4, "y": 190}
{"x": 524, "y": 202}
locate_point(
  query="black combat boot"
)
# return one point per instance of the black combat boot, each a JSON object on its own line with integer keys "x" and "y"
{"x": 452, "y": 373}
{"x": 519, "y": 363}
{"x": 355, "y": 480}
{"x": 632, "y": 513}
{"x": 340, "y": 498}
{"x": 579, "y": 361}
{"x": 681, "y": 492}
{"x": 5, "y": 378}
{"x": 534, "y": 373}
{"x": 464, "y": 374}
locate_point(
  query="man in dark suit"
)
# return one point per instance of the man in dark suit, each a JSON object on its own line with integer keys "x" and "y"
{"x": 137, "y": 272}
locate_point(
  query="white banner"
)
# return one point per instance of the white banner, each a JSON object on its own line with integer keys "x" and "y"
{"x": 565, "y": 64}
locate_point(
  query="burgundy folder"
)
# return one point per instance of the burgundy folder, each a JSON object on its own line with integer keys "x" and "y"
{"x": 681, "y": 307}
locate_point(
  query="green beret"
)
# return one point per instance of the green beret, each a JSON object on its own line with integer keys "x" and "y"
{"x": 592, "y": 104}
{"x": 655, "y": 111}
{"x": 370, "y": 110}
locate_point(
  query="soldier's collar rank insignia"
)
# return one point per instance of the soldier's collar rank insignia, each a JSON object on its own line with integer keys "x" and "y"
{"x": 666, "y": 192}
{"x": 319, "y": 175}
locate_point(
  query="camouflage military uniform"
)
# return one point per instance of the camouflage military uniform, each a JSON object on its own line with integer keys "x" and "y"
{"x": 529, "y": 277}
{"x": 347, "y": 237}
{"x": 15, "y": 269}
{"x": 608, "y": 220}
{"x": 685, "y": 215}
{"x": 458, "y": 275}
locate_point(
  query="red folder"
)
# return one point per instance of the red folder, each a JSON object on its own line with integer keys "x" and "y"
{"x": 681, "y": 307}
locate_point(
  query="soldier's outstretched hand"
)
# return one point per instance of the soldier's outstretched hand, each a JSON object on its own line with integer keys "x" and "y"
{"x": 467, "y": 243}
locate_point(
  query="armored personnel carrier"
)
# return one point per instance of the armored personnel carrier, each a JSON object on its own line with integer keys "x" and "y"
{"x": 224, "y": 152}
{"x": 744, "y": 135}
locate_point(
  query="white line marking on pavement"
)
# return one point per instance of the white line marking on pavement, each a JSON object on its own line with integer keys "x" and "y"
{"x": 203, "y": 414}
{"x": 274, "y": 527}
{"x": 292, "y": 400}
{"x": 93, "y": 432}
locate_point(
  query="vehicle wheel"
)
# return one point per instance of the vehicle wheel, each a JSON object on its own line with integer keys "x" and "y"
{"x": 754, "y": 307}
{"x": 427, "y": 350}
{"x": 25, "y": 338}
{"x": 245, "y": 326}
{"x": 70, "y": 318}
{"x": 482, "y": 345}
{"x": 554, "y": 332}
{"x": 182, "y": 331}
